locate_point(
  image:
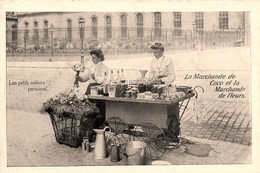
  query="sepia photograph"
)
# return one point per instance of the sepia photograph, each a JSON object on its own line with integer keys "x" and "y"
{"x": 128, "y": 88}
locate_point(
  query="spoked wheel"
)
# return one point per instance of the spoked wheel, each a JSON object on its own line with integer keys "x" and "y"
{"x": 137, "y": 133}
{"x": 155, "y": 139}
{"x": 116, "y": 136}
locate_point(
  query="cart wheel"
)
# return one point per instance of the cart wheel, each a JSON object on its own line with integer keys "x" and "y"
{"x": 136, "y": 133}
{"x": 155, "y": 139}
{"x": 116, "y": 136}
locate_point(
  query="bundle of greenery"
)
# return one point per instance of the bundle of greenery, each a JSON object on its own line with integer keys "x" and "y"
{"x": 71, "y": 103}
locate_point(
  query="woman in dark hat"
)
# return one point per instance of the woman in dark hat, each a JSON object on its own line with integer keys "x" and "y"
{"x": 161, "y": 66}
{"x": 162, "y": 69}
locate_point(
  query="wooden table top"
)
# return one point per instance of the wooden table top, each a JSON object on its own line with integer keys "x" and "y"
{"x": 121, "y": 99}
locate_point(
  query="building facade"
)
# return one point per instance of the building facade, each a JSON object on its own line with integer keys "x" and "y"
{"x": 176, "y": 30}
{"x": 11, "y": 25}
{"x": 134, "y": 23}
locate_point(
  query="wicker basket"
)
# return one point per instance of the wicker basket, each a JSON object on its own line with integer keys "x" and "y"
{"x": 70, "y": 131}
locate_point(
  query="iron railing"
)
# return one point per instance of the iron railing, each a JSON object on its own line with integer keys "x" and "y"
{"x": 68, "y": 41}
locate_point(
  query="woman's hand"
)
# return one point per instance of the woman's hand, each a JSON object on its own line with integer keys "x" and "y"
{"x": 91, "y": 80}
{"x": 92, "y": 76}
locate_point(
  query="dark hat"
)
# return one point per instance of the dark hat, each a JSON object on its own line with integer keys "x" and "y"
{"x": 157, "y": 46}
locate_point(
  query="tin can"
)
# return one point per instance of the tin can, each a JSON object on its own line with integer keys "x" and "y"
{"x": 83, "y": 146}
{"x": 87, "y": 146}
{"x": 114, "y": 153}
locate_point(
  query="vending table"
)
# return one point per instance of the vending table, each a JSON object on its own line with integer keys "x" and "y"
{"x": 149, "y": 115}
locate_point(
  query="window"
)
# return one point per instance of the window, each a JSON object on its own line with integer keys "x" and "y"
{"x": 82, "y": 28}
{"x": 46, "y": 31}
{"x": 14, "y": 33}
{"x": 157, "y": 24}
{"x": 94, "y": 28}
{"x": 199, "y": 20}
{"x": 69, "y": 30}
{"x": 177, "y": 19}
{"x": 140, "y": 30}
{"x": 36, "y": 34}
{"x": 26, "y": 31}
{"x": 123, "y": 26}
{"x": 108, "y": 27}
{"x": 223, "y": 20}
{"x": 177, "y": 23}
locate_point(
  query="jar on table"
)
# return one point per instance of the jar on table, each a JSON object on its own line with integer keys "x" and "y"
{"x": 100, "y": 90}
{"x": 117, "y": 90}
{"x": 128, "y": 94}
{"x": 134, "y": 93}
{"x": 111, "y": 90}
{"x": 93, "y": 91}
{"x": 105, "y": 90}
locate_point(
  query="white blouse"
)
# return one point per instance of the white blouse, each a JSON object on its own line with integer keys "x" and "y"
{"x": 98, "y": 70}
{"x": 163, "y": 66}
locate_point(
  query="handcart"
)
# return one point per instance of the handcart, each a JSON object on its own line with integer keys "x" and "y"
{"x": 143, "y": 120}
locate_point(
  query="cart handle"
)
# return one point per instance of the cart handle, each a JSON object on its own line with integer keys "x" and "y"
{"x": 194, "y": 89}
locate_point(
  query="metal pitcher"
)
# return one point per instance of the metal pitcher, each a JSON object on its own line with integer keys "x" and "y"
{"x": 100, "y": 151}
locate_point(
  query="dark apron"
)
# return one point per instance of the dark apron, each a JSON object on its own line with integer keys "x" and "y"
{"x": 100, "y": 105}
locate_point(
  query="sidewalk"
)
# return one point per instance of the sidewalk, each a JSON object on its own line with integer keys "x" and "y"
{"x": 234, "y": 58}
{"x": 30, "y": 136}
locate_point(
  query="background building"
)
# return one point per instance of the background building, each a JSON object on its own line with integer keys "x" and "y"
{"x": 11, "y": 25}
{"x": 69, "y": 31}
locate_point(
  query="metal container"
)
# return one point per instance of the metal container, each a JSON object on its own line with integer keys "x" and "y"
{"x": 114, "y": 153}
{"x": 100, "y": 151}
{"x": 135, "y": 153}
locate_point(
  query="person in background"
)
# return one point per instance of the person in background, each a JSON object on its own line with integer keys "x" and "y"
{"x": 161, "y": 66}
{"x": 95, "y": 74}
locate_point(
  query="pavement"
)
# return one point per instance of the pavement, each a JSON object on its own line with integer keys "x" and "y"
{"x": 224, "y": 121}
{"x": 41, "y": 148}
{"x": 226, "y": 125}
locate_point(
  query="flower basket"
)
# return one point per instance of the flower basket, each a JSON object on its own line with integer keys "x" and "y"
{"x": 70, "y": 131}
{"x": 72, "y": 117}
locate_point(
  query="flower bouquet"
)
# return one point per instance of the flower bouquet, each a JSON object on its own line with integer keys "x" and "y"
{"x": 72, "y": 116}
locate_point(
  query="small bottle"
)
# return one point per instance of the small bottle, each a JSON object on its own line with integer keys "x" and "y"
{"x": 118, "y": 77}
{"x": 104, "y": 85}
{"x": 105, "y": 79}
{"x": 112, "y": 79}
{"x": 83, "y": 146}
{"x": 111, "y": 86}
{"x": 122, "y": 80}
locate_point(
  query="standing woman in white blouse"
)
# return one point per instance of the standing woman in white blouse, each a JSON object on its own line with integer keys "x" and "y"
{"x": 161, "y": 66}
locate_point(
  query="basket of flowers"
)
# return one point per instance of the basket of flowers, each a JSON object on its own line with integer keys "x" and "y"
{"x": 72, "y": 116}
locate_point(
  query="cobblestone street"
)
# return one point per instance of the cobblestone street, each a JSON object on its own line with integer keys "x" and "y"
{"x": 224, "y": 121}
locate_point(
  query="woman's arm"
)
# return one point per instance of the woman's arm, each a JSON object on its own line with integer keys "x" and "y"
{"x": 151, "y": 71}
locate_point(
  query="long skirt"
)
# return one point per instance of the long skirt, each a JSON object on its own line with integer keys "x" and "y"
{"x": 100, "y": 105}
